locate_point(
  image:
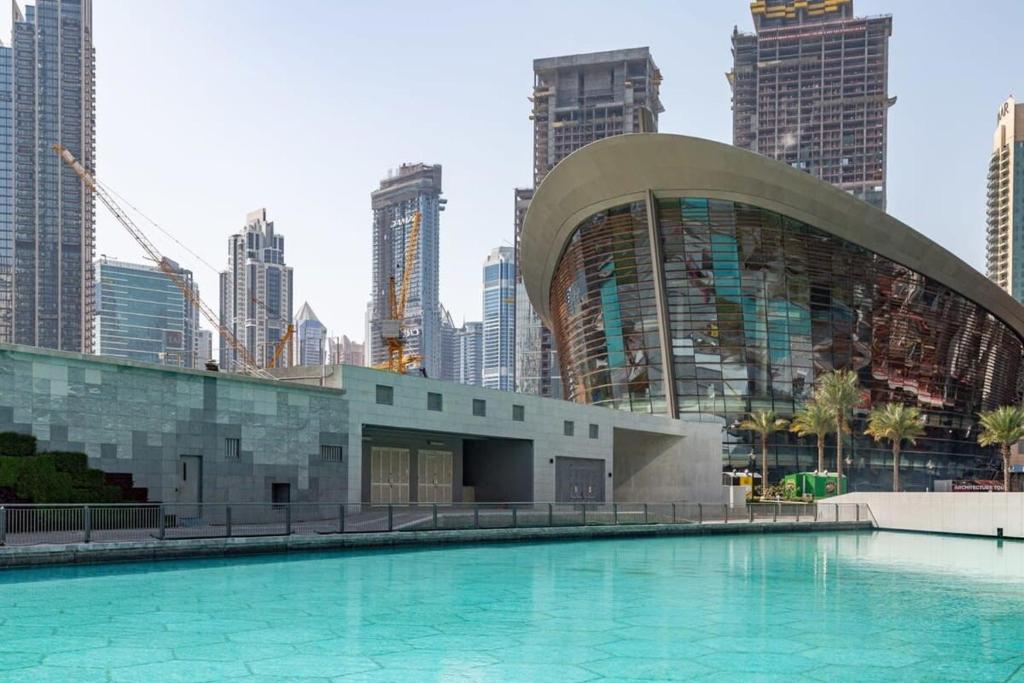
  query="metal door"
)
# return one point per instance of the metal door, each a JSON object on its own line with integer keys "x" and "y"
{"x": 190, "y": 485}
{"x": 389, "y": 475}
{"x": 435, "y": 476}
{"x": 579, "y": 480}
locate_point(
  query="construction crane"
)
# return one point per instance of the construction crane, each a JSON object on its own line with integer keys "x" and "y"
{"x": 391, "y": 327}
{"x": 247, "y": 362}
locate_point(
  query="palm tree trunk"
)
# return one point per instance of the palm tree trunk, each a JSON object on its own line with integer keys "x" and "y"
{"x": 896, "y": 467}
{"x": 839, "y": 455}
{"x": 764, "y": 463}
{"x": 1006, "y": 468}
{"x": 821, "y": 453}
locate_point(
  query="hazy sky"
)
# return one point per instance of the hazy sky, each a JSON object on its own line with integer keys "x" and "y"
{"x": 209, "y": 109}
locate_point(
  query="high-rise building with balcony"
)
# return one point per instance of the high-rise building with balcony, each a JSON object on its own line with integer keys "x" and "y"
{"x": 142, "y": 315}
{"x": 810, "y": 88}
{"x": 204, "y": 347}
{"x": 499, "y": 320}
{"x": 413, "y": 188}
{"x": 469, "y": 340}
{"x": 1005, "y": 215}
{"x": 311, "y": 336}
{"x": 255, "y": 292}
{"x": 47, "y": 231}
{"x": 577, "y": 99}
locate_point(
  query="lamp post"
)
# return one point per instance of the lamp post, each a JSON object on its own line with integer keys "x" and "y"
{"x": 930, "y": 466}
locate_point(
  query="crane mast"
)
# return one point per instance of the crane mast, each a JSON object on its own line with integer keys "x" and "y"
{"x": 391, "y": 328}
{"x": 248, "y": 363}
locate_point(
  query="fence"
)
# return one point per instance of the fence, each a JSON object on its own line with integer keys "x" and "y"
{"x": 62, "y": 524}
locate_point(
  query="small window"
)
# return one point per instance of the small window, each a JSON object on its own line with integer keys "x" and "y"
{"x": 280, "y": 494}
{"x": 232, "y": 448}
{"x": 569, "y": 427}
{"x": 330, "y": 453}
{"x": 435, "y": 402}
{"x": 518, "y": 413}
{"x": 594, "y": 432}
{"x": 385, "y": 395}
{"x": 479, "y": 407}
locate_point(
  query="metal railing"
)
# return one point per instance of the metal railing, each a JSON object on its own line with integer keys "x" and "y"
{"x": 64, "y": 524}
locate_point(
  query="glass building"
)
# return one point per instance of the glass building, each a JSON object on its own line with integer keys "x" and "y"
{"x": 311, "y": 335}
{"x": 499, "y": 339}
{"x": 53, "y": 101}
{"x": 142, "y": 315}
{"x": 698, "y": 280}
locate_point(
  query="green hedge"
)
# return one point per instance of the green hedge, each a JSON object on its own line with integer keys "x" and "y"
{"x": 56, "y": 478}
{"x": 17, "y": 445}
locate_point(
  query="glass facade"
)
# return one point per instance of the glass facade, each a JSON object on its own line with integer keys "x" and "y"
{"x": 142, "y": 315}
{"x": 758, "y": 305}
{"x": 499, "y": 335}
{"x": 53, "y": 100}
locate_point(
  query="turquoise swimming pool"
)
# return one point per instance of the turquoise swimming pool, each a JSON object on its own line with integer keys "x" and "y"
{"x": 825, "y": 606}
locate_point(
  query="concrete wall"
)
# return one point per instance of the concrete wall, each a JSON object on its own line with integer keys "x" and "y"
{"x": 700, "y": 441}
{"x": 979, "y": 514}
{"x": 139, "y": 418}
{"x": 662, "y": 467}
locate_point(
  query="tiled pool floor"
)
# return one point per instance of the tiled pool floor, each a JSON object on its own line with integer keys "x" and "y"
{"x": 840, "y": 606}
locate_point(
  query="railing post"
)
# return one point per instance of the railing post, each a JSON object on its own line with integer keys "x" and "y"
{"x": 815, "y": 512}
{"x": 227, "y": 521}
{"x": 798, "y": 512}
{"x": 551, "y": 514}
{"x": 584, "y": 514}
{"x": 391, "y": 517}
{"x": 837, "y": 512}
{"x": 161, "y": 522}
{"x": 673, "y": 513}
{"x": 3, "y": 525}
{"x": 700, "y": 513}
{"x": 515, "y": 518}
{"x": 341, "y": 518}
{"x": 287, "y": 519}
{"x": 775, "y": 512}
{"x": 645, "y": 513}
{"x": 726, "y": 507}
{"x": 615, "y": 514}
{"x": 750, "y": 512}
{"x": 434, "y": 515}
{"x": 476, "y": 516}
{"x": 857, "y": 505}
{"x": 87, "y": 522}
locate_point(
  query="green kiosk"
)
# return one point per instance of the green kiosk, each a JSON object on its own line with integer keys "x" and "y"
{"x": 811, "y": 485}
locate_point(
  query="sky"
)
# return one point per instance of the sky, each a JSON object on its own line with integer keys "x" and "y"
{"x": 209, "y": 110}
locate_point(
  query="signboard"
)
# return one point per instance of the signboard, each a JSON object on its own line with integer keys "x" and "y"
{"x": 976, "y": 485}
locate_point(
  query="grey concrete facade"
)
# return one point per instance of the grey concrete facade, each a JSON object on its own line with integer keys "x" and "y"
{"x": 252, "y": 434}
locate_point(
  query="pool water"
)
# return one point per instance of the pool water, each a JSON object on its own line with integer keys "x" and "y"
{"x": 840, "y": 606}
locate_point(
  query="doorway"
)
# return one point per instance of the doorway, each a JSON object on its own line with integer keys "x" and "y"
{"x": 435, "y": 476}
{"x": 579, "y": 480}
{"x": 190, "y": 485}
{"x": 389, "y": 475}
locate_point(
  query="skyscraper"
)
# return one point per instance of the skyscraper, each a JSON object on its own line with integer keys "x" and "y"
{"x": 1005, "y": 252}
{"x": 469, "y": 340}
{"x": 499, "y": 340}
{"x": 810, "y": 88}
{"x": 577, "y": 99}
{"x": 255, "y": 292}
{"x": 311, "y": 335}
{"x": 6, "y": 200}
{"x": 204, "y": 347}
{"x": 414, "y": 188}
{"x": 344, "y": 351}
{"x": 50, "y": 231}
{"x": 449, "y": 370}
{"x": 142, "y": 315}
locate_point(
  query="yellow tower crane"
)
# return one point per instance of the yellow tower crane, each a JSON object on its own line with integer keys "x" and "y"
{"x": 391, "y": 327}
{"x": 248, "y": 363}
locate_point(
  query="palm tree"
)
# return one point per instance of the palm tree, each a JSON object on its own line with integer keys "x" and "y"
{"x": 1002, "y": 427}
{"x": 896, "y": 423}
{"x": 814, "y": 418}
{"x": 764, "y": 422}
{"x": 839, "y": 393}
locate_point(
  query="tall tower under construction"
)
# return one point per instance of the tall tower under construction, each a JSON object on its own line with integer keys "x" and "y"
{"x": 577, "y": 99}
{"x": 810, "y": 88}
{"x": 413, "y": 188}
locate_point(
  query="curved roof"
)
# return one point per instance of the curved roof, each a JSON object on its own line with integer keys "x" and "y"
{"x": 624, "y": 168}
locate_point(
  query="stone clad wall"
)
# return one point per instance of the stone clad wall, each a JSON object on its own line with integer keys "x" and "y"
{"x": 130, "y": 417}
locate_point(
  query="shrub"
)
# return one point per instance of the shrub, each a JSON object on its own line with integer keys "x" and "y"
{"x": 17, "y": 445}
{"x": 69, "y": 462}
